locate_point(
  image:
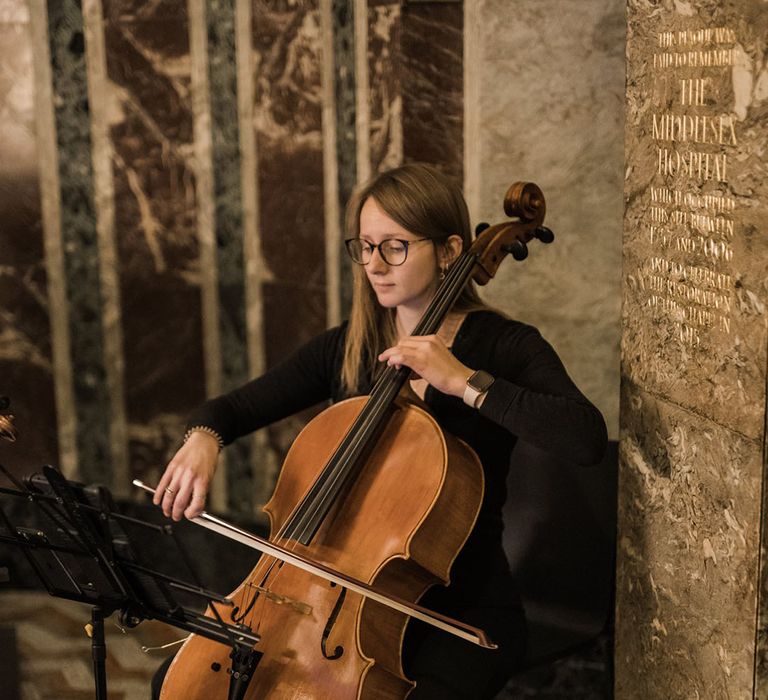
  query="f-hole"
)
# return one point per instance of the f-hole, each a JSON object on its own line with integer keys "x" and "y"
{"x": 339, "y": 650}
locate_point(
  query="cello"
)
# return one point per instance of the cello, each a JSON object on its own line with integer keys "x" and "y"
{"x": 349, "y": 498}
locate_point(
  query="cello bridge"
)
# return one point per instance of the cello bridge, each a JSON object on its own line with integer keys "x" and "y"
{"x": 295, "y": 605}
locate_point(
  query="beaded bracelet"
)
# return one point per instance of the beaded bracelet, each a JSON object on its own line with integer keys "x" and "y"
{"x": 208, "y": 431}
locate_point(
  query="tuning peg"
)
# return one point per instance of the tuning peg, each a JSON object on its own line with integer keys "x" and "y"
{"x": 518, "y": 250}
{"x": 481, "y": 227}
{"x": 544, "y": 234}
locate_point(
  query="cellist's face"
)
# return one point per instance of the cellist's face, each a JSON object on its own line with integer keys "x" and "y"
{"x": 410, "y": 285}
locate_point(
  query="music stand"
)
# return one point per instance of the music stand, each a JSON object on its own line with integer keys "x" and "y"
{"x": 87, "y": 556}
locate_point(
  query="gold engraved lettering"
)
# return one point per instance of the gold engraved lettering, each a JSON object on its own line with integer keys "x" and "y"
{"x": 664, "y": 305}
{"x": 705, "y": 35}
{"x": 716, "y": 203}
{"x": 666, "y": 39}
{"x": 657, "y": 236}
{"x": 712, "y": 58}
{"x": 699, "y": 276}
{"x": 717, "y": 250}
{"x": 703, "y": 59}
{"x": 692, "y": 91}
{"x": 712, "y": 224}
{"x": 685, "y": 245}
{"x": 692, "y": 164}
{"x": 724, "y": 35}
{"x": 699, "y": 317}
{"x": 696, "y": 228}
{"x": 693, "y": 314}
{"x": 689, "y": 336}
{"x": 662, "y": 195}
{"x": 694, "y": 128}
{"x": 659, "y": 215}
{"x": 695, "y": 295}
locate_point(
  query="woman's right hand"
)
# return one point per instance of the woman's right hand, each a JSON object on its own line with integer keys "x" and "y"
{"x": 184, "y": 485}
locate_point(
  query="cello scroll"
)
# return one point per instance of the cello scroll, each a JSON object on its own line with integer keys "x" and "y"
{"x": 525, "y": 202}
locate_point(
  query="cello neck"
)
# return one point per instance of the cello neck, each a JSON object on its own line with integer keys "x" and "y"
{"x": 359, "y": 440}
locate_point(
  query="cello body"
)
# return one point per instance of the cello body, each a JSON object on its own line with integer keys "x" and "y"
{"x": 398, "y": 526}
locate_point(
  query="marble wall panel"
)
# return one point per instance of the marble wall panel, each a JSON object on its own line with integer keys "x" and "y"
{"x": 342, "y": 28}
{"x": 385, "y": 75}
{"x": 287, "y": 114}
{"x": 694, "y": 351}
{"x": 148, "y": 66}
{"x": 415, "y": 83}
{"x": 544, "y": 95}
{"x": 694, "y": 252}
{"x": 343, "y": 46}
{"x": 286, "y": 41}
{"x": 689, "y": 516}
{"x": 26, "y": 375}
{"x": 761, "y": 652}
{"x": 432, "y": 84}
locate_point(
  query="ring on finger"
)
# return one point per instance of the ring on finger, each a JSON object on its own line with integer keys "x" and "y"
{"x": 169, "y": 490}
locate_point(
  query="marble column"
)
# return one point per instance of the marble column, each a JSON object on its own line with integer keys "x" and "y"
{"x": 414, "y": 85}
{"x": 151, "y": 139}
{"x": 344, "y": 43}
{"x": 288, "y": 134}
{"x": 432, "y": 85}
{"x": 690, "y": 606}
{"x": 384, "y": 124}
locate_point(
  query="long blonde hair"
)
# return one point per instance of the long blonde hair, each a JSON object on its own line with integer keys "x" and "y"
{"x": 425, "y": 202}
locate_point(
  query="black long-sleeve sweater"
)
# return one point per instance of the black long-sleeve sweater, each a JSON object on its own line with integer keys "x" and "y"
{"x": 532, "y": 399}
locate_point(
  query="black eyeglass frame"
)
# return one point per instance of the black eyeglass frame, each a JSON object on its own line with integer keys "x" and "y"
{"x": 406, "y": 244}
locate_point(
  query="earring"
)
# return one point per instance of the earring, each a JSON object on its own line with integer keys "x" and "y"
{"x": 442, "y": 274}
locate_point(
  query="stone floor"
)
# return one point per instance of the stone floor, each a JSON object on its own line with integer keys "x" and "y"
{"x": 55, "y": 653}
{"x": 55, "y": 656}
{"x": 585, "y": 674}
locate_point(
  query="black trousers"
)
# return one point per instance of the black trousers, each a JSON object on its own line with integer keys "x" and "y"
{"x": 446, "y": 667}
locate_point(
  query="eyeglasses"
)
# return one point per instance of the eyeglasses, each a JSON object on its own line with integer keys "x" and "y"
{"x": 393, "y": 251}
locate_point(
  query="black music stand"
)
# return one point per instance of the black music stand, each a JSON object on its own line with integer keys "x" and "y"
{"x": 85, "y": 554}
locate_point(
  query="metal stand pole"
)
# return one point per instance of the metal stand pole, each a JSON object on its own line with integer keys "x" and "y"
{"x": 98, "y": 651}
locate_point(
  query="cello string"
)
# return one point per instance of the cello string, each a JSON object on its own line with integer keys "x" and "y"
{"x": 263, "y": 571}
{"x": 383, "y": 395}
{"x": 316, "y": 508}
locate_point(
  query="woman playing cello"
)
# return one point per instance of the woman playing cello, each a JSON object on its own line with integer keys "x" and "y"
{"x": 486, "y": 379}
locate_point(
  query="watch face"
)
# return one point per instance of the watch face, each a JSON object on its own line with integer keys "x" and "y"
{"x": 480, "y": 380}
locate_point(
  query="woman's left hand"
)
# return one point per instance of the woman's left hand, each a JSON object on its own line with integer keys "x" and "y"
{"x": 427, "y": 356}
